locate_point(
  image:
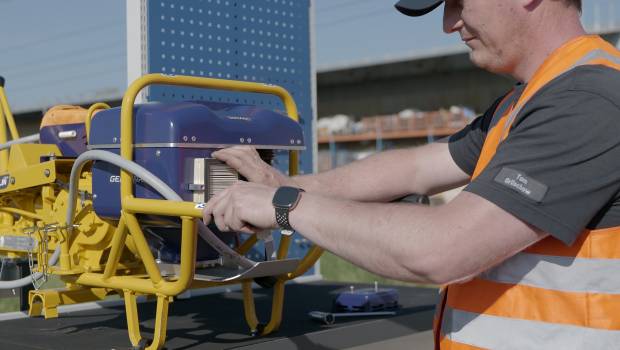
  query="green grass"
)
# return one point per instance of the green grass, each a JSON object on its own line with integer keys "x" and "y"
{"x": 11, "y": 303}
{"x": 333, "y": 268}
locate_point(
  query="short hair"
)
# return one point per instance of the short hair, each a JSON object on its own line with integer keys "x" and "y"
{"x": 576, "y": 3}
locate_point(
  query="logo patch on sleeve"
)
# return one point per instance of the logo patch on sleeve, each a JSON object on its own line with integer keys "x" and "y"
{"x": 521, "y": 183}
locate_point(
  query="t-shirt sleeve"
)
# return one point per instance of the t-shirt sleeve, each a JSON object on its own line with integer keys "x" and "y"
{"x": 465, "y": 145}
{"x": 559, "y": 165}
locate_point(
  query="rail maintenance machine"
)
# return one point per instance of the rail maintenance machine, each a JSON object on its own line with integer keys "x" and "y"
{"x": 109, "y": 200}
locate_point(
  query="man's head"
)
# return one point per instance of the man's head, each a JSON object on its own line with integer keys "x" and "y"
{"x": 421, "y": 7}
{"x": 505, "y": 35}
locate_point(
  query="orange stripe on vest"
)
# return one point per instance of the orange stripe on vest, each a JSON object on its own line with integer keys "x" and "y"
{"x": 537, "y": 304}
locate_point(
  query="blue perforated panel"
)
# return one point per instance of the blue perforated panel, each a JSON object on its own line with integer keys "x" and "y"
{"x": 253, "y": 40}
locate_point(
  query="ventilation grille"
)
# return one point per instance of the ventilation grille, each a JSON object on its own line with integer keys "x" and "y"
{"x": 218, "y": 177}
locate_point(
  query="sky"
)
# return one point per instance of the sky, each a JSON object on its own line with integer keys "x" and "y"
{"x": 71, "y": 51}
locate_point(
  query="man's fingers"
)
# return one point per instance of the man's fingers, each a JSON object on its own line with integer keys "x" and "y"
{"x": 219, "y": 216}
{"x": 215, "y": 207}
{"x": 229, "y": 218}
{"x": 206, "y": 217}
{"x": 243, "y": 152}
{"x": 208, "y": 209}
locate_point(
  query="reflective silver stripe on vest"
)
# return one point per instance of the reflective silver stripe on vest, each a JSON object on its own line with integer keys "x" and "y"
{"x": 494, "y": 332}
{"x": 592, "y": 55}
{"x": 559, "y": 273}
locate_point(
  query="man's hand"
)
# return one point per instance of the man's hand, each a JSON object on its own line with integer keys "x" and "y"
{"x": 248, "y": 163}
{"x": 244, "y": 207}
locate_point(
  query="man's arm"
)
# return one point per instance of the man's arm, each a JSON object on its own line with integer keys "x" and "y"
{"x": 408, "y": 242}
{"x": 382, "y": 177}
{"x": 415, "y": 243}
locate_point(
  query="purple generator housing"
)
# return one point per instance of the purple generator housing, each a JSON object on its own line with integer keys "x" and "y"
{"x": 170, "y": 137}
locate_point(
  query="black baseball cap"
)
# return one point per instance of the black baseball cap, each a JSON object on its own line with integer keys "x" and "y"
{"x": 416, "y": 8}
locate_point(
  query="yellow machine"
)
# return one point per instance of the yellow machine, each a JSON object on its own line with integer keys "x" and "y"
{"x": 48, "y": 214}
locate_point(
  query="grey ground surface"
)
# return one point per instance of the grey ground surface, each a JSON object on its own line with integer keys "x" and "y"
{"x": 216, "y": 322}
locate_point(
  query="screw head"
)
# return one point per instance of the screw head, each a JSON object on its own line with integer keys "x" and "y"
{"x": 157, "y": 153}
{"x": 46, "y": 172}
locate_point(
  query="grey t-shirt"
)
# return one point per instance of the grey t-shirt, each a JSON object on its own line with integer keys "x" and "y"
{"x": 559, "y": 168}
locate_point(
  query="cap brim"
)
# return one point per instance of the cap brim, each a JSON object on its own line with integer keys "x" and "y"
{"x": 417, "y": 8}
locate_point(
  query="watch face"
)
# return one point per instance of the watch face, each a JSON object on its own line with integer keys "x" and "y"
{"x": 285, "y": 197}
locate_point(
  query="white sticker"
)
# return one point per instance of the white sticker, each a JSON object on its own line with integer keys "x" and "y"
{"x": 200, "y": 205}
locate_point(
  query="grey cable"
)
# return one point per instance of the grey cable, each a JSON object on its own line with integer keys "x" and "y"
{"x": 24, "y": 281}
{"x": 152, "y": 181}
{"x": 26, "y": 139}
{"x": 159, "y": 186}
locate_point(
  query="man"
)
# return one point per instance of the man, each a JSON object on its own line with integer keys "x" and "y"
{"x": 531, "y": 248}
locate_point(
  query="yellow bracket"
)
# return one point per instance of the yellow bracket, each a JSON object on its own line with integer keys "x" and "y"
{"x": 45, "y": 302}
{"x": 133, "y": 321}
{"x": 277, "y": 303}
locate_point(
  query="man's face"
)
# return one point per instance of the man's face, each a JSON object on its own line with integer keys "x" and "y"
{"x": 487, "y": 27}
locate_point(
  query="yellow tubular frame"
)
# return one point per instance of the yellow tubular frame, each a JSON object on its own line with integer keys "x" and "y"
{"x": 131, "y": 204}
{"x": 155, "y": 283}
{"x": 89, "y": 116}
{"x": 6, "y": 118}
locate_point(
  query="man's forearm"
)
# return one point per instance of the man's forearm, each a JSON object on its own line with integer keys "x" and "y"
{"x": 380, "y": 178}
{"x": 415, "y": 243}
{"x": 392, "y": 240}
{"x": 389, "y": 175}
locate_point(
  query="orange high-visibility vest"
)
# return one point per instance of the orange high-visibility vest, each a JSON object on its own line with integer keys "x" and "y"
{"x": 549, "y": 296}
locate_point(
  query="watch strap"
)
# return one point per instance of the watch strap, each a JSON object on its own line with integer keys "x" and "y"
{"x": 282, "y": 219}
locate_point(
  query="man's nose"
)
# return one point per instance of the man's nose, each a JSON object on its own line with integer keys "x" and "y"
{"x": 452, "y": 21}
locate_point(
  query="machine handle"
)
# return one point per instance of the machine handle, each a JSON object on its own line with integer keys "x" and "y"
{"x": 89, "y": 116}
{"x": 199, "y": 82}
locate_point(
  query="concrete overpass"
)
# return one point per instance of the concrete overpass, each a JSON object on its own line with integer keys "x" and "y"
{"x": 424, "y": 81}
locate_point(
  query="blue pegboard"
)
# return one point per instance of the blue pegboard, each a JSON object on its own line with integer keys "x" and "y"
{"x": 265, "y": 41}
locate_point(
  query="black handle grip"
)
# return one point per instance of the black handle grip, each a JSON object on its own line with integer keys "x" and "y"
{"x": 1, "y": 81}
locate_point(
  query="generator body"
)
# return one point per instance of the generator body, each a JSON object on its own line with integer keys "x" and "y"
{"x": 171, "y": 136}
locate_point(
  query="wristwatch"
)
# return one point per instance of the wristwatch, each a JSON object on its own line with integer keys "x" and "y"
{"x": 284, "y": 200}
